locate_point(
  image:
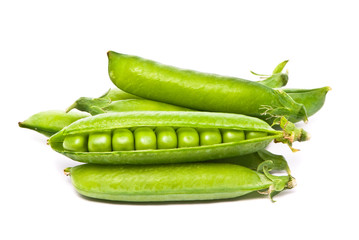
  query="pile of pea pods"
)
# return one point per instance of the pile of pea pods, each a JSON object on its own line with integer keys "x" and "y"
{"x": 168, "y": 134}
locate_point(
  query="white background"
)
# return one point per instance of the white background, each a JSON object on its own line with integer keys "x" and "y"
{"x": 52, "y": 53}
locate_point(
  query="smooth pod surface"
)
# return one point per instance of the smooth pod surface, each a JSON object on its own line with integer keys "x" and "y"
{"x": 200, "y": 91}
{"x": 169, "y": 182}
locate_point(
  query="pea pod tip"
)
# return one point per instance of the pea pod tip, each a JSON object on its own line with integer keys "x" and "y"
{"x": 109, "y": 53}
{"x": 67, "y": 171}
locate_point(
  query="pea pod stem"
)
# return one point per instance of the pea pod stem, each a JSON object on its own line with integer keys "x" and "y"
{"x": 277, "y": 79}
{"x": 91, "y": 105}
{"x": 282, "y": 182}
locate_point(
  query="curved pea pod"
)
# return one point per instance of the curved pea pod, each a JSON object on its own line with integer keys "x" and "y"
{"x": 173, "y": 182}
{"x": 52, "y": 121}
{"x": 130, "y": 120}
{"x": 276, "y": 80}
{"x": 200, "y": 91}
{"x": 312, "y": 99}
{"x": 96, "y": 106}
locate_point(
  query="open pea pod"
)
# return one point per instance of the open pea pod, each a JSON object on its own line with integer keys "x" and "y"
{"x": 196, "y": 136}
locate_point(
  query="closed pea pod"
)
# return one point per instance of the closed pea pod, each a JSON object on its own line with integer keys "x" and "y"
{"x": 200, "y": 91}
{"x": 184, "y": 120}
{"x": 173, "y": 182}
{"x": 52, "y": 121}
{"x": 116, "y": 100}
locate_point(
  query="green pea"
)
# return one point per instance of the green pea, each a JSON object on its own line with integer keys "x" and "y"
{"x": 252, "y": 135}
{"x": 209, "y": 136}
{"x": 145, "y": 138}
{"x": 166, "y": 138}
{"x": 187, "y": 137}
{"x": 232, "y": 135}
{"x": 123, "y": 140}
{"x": 76, "y": 143}
{"x": 100, "y": 142}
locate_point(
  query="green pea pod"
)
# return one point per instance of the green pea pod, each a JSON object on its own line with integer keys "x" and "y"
{"x": 200, "y": 91}
{"x": 173, "y": 182}
{"x": 96, "y": 106}
{"x": 50, "y": 122}
{"x": 312, "y": 99}
{"x": 112, "y": 121}
{"x": 113, "y": 99}
{"x": 253, "y": 160}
